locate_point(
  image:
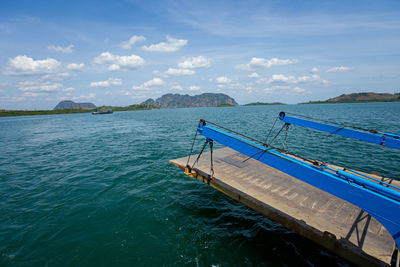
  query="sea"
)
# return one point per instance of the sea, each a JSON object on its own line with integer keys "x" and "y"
{"x": 84, "y": 190}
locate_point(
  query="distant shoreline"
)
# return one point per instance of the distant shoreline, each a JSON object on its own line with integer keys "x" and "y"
{"x": 348, "y": 102}
{"x": 364, "y": 97}
{"x": 264, "y": 104}
{"x": 11, "y": 113}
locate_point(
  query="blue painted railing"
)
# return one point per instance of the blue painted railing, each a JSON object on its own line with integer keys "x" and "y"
{"x": 378, "y": 200}
{"x": 385, "y": 139}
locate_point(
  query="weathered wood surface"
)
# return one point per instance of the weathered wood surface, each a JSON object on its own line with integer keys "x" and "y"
{"x": 327, "y": 220}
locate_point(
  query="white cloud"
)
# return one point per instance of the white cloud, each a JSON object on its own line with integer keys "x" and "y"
{"x": 132, "y": 41}
{"x": 223, "y": 79}
{"x": 176, "y": 87}
{"x": 81, "y": 97}
{"x": 154, "y": 82}
{"x": 253, "y": 75}
{"x": 178, "y": 72}
{"x": 58, "y": 48}
{"x": 38, "y": 86}
{"x": 17, "y": 98}
{"x": 116, "y": 62}
{"x": 298, "y": 89}
{"x": 314, "y": 70}
{"x": 263, "y": 63}
{"x": 336, "y": 69}
{"x": 23, "y": 65}
{"x": 75, "y": 66}
{"x": 107, "y": 83}
{"x": 171, "y": 45}
{"x": 276, "y": 88}
{"x": 32, "y": 94}
{"x": 285, "y": 90}
{"x": 149, "y": 84}
{"x": 85, "y": 97}
{"x": 194, "y": 63}
{"x": 194, "y": 88}
{"x": 281, "y": 78}
{"x": 69, "y": 89}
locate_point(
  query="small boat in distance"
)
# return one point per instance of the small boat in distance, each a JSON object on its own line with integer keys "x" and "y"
{"x": 108, "y": 111}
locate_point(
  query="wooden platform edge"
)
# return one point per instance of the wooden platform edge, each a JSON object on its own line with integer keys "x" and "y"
{"x": 340, "y": 247}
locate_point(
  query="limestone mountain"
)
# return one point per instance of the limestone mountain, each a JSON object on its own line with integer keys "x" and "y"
{"x": 68, "y": 104}
{"x": 186, "y": 101}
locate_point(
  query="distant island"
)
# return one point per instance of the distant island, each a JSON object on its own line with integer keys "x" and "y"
{"x": 360, "y": 98}
{"x": 264, "y": 104}
{"x": 187, "y": 101}
{"x": 68, "y": 104}
{"x": 165, "y": 101}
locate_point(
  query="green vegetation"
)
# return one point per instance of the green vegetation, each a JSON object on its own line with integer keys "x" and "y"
{"x": 5, "y": 113}
{"x": 187, "y": 101}
{"x": 225, "y": 105}
{"x": 360, "y": 98}
{"x": 263, "y": 104}
{"x": 127, "y": 108}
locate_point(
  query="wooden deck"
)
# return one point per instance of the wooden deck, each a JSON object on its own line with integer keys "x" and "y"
{"x": 333, "y": 223}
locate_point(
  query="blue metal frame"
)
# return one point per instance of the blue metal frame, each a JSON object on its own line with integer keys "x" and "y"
{"x": 384, "y": 139}
{"x": 379, "y": 201}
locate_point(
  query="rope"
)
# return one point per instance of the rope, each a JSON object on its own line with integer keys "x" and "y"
{"x": 191, "y": 149}
{"x": 210, "y": 178}
{"x": 284, "y": 140}
{"x": 201, "y": 152}
{"x": 270, "y": 130}
{"x": 314, "y": 162}
{"x": 273, "y": 139}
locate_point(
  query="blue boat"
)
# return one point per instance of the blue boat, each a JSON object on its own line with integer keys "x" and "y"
{"x": 108, "y": 111}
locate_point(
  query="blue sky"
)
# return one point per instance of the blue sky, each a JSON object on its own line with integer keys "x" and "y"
{"x": 123, "y": 52}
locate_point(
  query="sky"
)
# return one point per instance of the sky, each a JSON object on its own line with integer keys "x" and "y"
{"x": 123, "y": 52}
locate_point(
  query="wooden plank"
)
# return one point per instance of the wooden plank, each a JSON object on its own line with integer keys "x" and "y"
{"x": 331, "y": 222}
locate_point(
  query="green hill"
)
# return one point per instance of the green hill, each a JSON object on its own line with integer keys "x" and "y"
{"x": 187, "y": 101}
{"x": 360, "y": 98}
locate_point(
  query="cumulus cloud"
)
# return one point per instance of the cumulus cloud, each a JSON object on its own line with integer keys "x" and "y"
{"x": 314, "y": 70}
{"x": 263, "y": 63}
{"x": 69, "y": 89}
{"x": 253, "y": 75}
{"x": 149, "y": 84}
{"x": 171, "y": 45}
{"x": 281, "y": 78}
{"x": 194, "y": 88}
{"x": 75, "y": 66}
{"x": 337, "y": 69}
{"x": 89, "y": 96}
{"x": 58, "y": 48}
{"x": 35, "y": 86}
{"x": 285, "y": 89}
{"x": 116, "y": 62}
{"x": 178, "y": 72}
{"x": 24, "y": 65}
{"x": 154, "y": 82}
{"x": 109, "y": 82}
{"x": 194, "y": 63}
{"x": 132, "y": 41}
{"x": 223, "y": 79}
{"x": 298, "y": 89}
{"x": 176, "y": 87}
{"x": 33, "y": 94}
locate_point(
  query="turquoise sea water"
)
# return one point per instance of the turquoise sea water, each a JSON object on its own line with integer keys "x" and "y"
{"x": 85, "y": 190}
